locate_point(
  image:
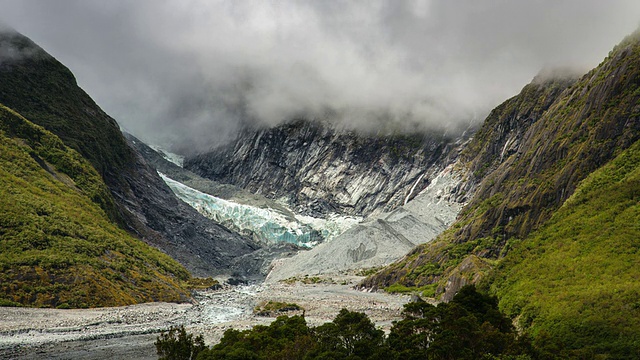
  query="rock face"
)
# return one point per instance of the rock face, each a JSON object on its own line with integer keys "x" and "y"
{"x": 204, "y": 247}
{"x": 385, "y": 238}
{"x": 320, "y": 170}
{"x": 500, "y": 138}
{"x": 45, "y": 91}
{"x": 265, "y": 220}
{"x": 528, "y": 158}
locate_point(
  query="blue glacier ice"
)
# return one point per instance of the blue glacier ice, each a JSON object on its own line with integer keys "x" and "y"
{"x": 265, "y": 225}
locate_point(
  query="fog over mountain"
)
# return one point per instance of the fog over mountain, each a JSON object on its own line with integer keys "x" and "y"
{"x": 190, "y": 72}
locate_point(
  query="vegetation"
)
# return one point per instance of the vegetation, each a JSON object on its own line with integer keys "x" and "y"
{"x": 368, "y": 271}
{"x": 269, "y": 308}
{"x": 553, "y": 228}
{"x": 44, "y": 91}
{"x": 176, "y": 344}
{"x": 308, "y": 280}
{"x": 58, "y": 247}
{"x": 469, "y": 327}
{"x": 574, "y": 283}
{"x": 565, "y": 133}
{"x": 196, "y": 283}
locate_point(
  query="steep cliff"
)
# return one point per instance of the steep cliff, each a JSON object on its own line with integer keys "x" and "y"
{"x": 435, "y": 208}
{"x": 383, "y": 239}
{"x": 58, "y": 248}
{"x": 574, "y": 283}
{"x": 318, "y": 169}
{"x": 541, "y": 242}
{"x": 36, "y": 85}
{"x": 587, "y": 125}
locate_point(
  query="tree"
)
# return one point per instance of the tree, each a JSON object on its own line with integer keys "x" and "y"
{"x": 176, "y": 344}
{"x": 469, "y": 327}
{"x": 350, "y": 335}
{"x": 285, "y": 338}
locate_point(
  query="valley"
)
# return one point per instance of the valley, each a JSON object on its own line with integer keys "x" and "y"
{"x": 519, "y": 229}
{"x": 131, "y": 331}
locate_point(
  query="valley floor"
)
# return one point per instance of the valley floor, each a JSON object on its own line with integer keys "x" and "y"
{"x": 129, "y": 332}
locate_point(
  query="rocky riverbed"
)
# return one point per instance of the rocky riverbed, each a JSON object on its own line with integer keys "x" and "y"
{"x": 129, "y": 332}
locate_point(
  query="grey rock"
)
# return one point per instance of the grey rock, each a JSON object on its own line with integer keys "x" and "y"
{"x": 204, "y": 247}
{"x": 318, "y": 169}
{"x": 381, "y": 239}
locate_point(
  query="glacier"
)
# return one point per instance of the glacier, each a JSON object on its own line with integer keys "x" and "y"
{"x": 263, "y": 224}
{"x": 168, "y": 155}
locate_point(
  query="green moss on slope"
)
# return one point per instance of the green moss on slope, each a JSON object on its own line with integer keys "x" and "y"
{"x": 58, "y": 248}
{"x": 575, "y": 283}
{"x": 44, "y": 91}
{"x": 587, "y": 125}
{"x": 46, "y": 147}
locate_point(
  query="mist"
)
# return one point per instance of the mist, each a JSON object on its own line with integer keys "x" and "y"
{"x": 189, "y": 74}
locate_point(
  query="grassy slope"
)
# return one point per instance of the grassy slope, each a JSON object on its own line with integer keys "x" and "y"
{"x": 44, "y": 91}
{"x": 428, "y": 266}
{"x": 576, "y": 281}
{"x": 57, "y": 246}
{"x": 588, "y": 125}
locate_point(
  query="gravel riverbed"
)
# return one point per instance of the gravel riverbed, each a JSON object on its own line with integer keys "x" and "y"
{"x": 129, "y": 332}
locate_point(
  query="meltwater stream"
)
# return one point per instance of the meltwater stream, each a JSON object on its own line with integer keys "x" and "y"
{"x": 265, "y": 225}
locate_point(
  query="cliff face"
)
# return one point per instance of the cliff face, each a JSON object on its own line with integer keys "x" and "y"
{"x": 388, "y": 237}
{"x": 321, "y": 170}
{"x": 528, "y": 158}
{"x": 37, "y": 86}
{"x": 58, "y": 248}
{"x": 383, "y": 239}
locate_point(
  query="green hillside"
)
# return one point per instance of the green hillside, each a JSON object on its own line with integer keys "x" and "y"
{"x": 576, "y": 281}
{"x": 584, "y": 126}
{"x": 58, "y": 248}
{"x": 44, "y": 91}
{"x": 553, "y": 226}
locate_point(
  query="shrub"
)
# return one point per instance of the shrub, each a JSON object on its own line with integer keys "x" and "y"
{"x": 176, "y": 344}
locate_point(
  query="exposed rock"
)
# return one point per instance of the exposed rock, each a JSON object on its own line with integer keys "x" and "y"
{"x": 382, "y": 239}
{"x": 468, "y": 272}
{"x": 45, "y": 91}
{"x": 319, "y": 170}
{"x": 204, "y": 247}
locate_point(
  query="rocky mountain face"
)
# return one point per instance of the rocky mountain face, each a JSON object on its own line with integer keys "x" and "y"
{"x": 385, "y": 238}
{"x": 529, "y": 173}
{"x": 556, "y": 174}
{"x": 36, "y": 85}
{"x": 58, "y": 248}
{"x": 500, "y": 141}
{"x": 318, "y": 169}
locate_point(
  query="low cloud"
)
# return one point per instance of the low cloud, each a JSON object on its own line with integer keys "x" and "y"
{"x": 11, "y": 51}
{"x": 191, "y": 73}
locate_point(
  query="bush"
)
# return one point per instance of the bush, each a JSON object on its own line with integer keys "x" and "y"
{"x": 176, "y": 344}
{"x": 469, "y": 327}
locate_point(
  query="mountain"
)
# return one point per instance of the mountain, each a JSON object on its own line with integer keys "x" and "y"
{"x": 41, "y": 89}
{"x": 574, "y": 282}
{"x": 58, "y": 247}
{"x": 384, "y": 238}
{"x": 318, "y": 169}
{"x": 499, "y": 142}
{"x": 552, "y": 224}
{"x": 323, "y": 171}
{"x": 266, "y": 221}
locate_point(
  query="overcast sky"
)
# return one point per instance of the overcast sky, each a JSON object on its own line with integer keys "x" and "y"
{"x": 191, "y": 71}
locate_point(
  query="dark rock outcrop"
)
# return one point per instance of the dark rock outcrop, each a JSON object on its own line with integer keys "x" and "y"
{"x": 320, "y": 170}
{"x": 38, "y": 86}
{"x": 528, "y": 159}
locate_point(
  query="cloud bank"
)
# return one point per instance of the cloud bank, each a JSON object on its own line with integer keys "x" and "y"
{"x": 192, "y": 72}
